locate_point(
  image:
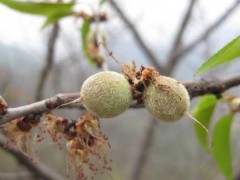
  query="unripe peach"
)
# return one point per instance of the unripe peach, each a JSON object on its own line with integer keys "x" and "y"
{"x": 106, "y": 94}
{"x": 166, "y": 99}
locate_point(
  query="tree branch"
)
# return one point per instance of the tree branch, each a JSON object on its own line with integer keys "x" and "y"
{"x": 38, "y": 107}
{"x": 212, "y": 86}
{"x": 206, "y": 33}
{"x": 138, "y": 37}
{"x": 39, "y": 169}
{"x": 178, "y": 39}
{"x": 195, "y": 88}
{"x": 144, "y": 149}
{"x": 49, "y": 61}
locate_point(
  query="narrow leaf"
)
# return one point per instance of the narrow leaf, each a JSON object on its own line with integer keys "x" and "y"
{"x": 84, "y": 33}
{"x": 222, "y": 145}
{"x": 40, "y": 8}
{"x": 203, "y": 112}
{"x": 102, "y": 2}
{"x": 227, "y": 53}
{"x": 51, "y": 19}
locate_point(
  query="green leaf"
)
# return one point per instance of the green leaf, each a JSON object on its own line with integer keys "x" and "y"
{"x": 227, "y": 53}
{"x": 203, "y": 112}
{"x": 222, "y": 145}
{"x": 84, "y": 33}
{"x": 50, "y": 20}
{"x": 53, "y": 11}
{"x": 40, "y": 8}
{"x": 102, "y": 2}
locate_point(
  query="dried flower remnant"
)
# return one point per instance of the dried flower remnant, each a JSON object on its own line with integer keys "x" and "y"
{"x": 87, "y": 146}
{"x": 139, "y": 79}
{"x": 19, "y": 133}
{"x": 85, "y": 143}
{"x": 56, "y": 127}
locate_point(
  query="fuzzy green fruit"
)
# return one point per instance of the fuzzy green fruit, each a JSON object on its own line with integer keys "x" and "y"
{"x": 166, "y": 99}
{"x": 106, "y": 94}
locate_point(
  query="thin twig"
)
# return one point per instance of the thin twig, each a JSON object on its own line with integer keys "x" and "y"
{"x": 104, "y": 64}
{"x": 138, "y": 37}
{"x": 178, "y": 39}
{"x": 38, "y": 169}
{"x": 49, "y": 61}
{"x": 38, "y": 107}
{"x": 206, "y": 33}
{"x": 195, "y": 88}
{"x": 212, "y": 86}
{"x": 144, "y": 149}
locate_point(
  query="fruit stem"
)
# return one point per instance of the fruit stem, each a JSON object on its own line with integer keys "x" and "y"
{"x": 110, "y": 53}
{"x": 191, "y": 117}
{"x": 78, "y": 100}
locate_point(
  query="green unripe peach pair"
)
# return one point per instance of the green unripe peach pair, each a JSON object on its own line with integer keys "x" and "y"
{"x": 108, "y": 94}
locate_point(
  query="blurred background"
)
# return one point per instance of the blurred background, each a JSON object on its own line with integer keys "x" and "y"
{"x": 173, "y": 152}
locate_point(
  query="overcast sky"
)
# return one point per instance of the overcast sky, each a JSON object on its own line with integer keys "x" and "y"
{"x": 157, "y": 21}
{"x": 150, "y": 16}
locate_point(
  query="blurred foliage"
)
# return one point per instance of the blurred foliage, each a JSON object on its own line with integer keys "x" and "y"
{"x": 52, "y": 11}
{"x": 84, "y": 35}
{"x": 222, "y": 145}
